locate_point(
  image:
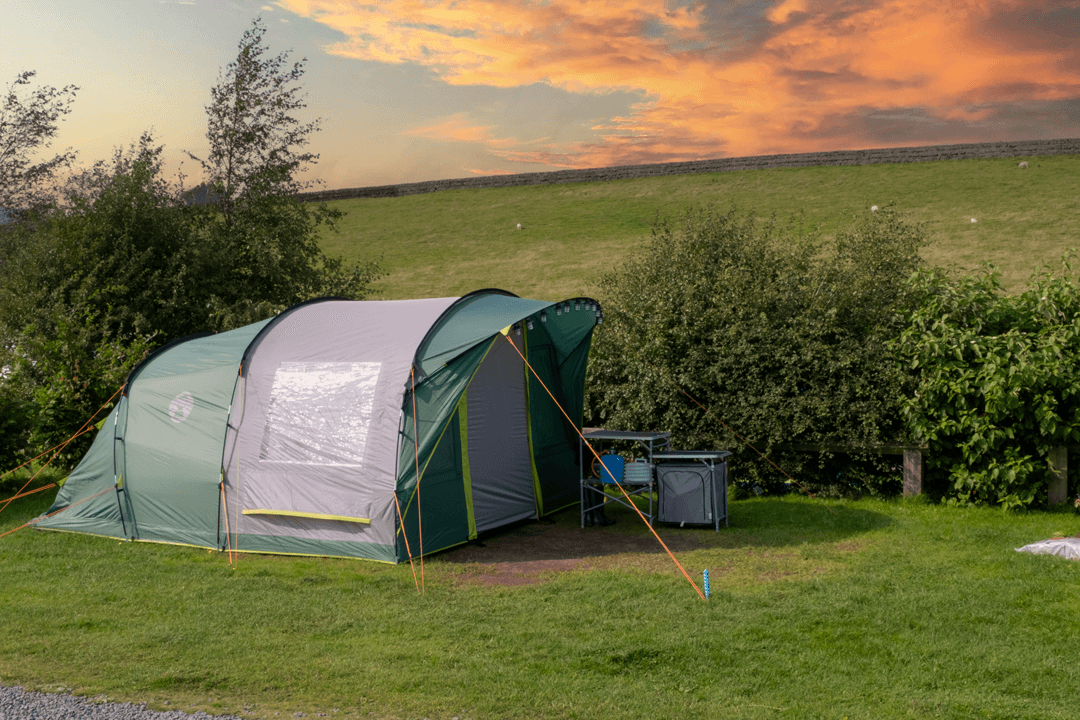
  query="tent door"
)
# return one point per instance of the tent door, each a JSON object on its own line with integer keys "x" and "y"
{"x": 498, "y": 440}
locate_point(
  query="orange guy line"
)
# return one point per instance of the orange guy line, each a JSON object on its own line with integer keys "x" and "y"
{"x": 597, "y": 456}
{"x": 86, "y": 427}
{"x": 66, "y": 507}
{"x": 406, "y": 536}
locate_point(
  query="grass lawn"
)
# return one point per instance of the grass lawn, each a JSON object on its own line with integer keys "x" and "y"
{"x": 838, "y": 609}
{"x": 876, "y": 609}
{"x": 451, "y": 242}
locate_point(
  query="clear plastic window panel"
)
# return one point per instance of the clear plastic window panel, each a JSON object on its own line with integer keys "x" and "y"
{"x": 319, "y": 413}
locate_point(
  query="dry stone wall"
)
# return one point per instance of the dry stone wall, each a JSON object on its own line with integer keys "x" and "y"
{"x": 968, "y": 151}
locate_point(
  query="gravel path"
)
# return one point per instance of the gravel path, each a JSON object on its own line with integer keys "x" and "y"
{"x": 17, "y": 704}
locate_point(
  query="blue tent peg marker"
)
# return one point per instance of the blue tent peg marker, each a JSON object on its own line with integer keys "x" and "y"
{"x": 705, "y": 574}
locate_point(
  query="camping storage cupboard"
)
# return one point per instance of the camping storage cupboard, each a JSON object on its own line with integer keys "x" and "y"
{"x": 692, "y": 486}
{"x": 306, "y": 433}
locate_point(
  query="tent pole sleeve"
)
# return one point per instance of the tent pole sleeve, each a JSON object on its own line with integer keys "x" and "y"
{"x": 116, "y": 477}
{"x": 121, "y": 434}
{"x": 120, "y": 507}
{"x": 236, "y": 399}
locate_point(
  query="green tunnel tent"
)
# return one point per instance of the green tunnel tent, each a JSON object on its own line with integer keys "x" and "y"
{"x": 295, "y": 435}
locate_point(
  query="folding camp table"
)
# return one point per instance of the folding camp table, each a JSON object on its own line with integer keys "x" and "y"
{"x": 637, "y": 485}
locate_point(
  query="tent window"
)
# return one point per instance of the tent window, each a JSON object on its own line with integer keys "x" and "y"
{"x": 319, "y": 413}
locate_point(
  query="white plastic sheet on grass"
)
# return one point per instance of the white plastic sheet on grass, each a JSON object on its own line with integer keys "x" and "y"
{"x": 1062, "y": 547}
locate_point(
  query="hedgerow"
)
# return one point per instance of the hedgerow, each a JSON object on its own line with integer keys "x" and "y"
{"x": 997, "y": 385}
{"x": 793, "y": 341}
{"x": 783, "y": 334}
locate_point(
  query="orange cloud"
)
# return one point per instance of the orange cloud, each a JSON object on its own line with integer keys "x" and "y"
{"x": 456, "y": 128}
{"x": 822, "y": 75}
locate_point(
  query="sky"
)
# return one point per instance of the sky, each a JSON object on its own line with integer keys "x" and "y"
{"x": 415, "y": 90}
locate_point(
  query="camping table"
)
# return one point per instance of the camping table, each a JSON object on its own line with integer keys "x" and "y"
{"x": 712, "y": 461}
{"x": 651, "y": 441}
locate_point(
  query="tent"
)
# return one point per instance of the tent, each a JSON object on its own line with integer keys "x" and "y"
{"x": 305, "y": 434}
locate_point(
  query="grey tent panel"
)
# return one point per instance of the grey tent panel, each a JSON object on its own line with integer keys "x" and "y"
{"x": 318, "y": 427}
{"x": 499, "y": 459}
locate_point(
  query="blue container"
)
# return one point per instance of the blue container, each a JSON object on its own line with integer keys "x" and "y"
{"x": 613, "y": 464}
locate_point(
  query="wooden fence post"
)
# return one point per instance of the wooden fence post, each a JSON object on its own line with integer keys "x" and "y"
{"x": 1058, "y": 485}
{"x": 913, "y": 472}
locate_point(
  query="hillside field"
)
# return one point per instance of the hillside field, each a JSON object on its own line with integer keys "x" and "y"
{"x": 451, "y": 242}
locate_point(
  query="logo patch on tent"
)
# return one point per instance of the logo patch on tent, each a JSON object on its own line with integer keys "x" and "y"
{"x": 180, "y": 407}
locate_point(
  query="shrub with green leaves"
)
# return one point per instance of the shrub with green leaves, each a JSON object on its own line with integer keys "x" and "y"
{"x": 997, "y": 383}
{"x": 14, "y": 426}
{"x": 781, "y": 333}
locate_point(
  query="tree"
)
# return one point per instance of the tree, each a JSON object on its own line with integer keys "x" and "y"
{"x": 27, "y": 126}
{"x": 88, "y": 289}
{"x": 781, "y": 332}
{"x": 254, "y": 139}
{"x": 125, "y": 246}
{"x": 256, "y": 152}
{"x": 128, "y": 260}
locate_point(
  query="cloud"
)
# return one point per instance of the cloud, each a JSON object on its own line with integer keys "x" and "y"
{"x": 781, "y": 12}
{"x": 456, "y": 128}
{"x": 889, "y": 67}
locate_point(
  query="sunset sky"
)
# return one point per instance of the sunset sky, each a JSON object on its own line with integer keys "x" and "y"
{"x": 413, "y": 90}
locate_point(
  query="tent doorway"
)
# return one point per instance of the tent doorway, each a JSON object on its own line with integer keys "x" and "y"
{"x": 500, "y": 464}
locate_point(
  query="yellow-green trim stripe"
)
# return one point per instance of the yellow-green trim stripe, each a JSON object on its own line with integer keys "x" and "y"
{"x": 466, "y": 473}
{"x": 313, "y": 516}
{"x": 537, "y": 492}
{"x": 219, "y": 550}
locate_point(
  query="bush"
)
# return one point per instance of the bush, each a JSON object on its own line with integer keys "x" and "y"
{"x": 87, "y": 289}
{"x": 997, "y": 387}
{"x": 781, "y": 333}
{"x": 14, "y": 427}
{"x": 124, "y": 259}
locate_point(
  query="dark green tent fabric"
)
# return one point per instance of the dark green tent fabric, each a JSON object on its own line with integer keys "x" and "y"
{"x": 473, "y": 320}
{"x": 555, "y": 345}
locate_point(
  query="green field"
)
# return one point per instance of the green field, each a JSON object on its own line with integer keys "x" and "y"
{"x": 820, "y": 609}
{"x": 835, "y": 610}
{"x": 451, "y": 242}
